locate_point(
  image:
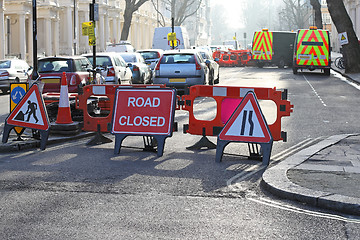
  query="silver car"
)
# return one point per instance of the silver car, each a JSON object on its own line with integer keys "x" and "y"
{"x": 13, "y": 71}
{"x": 151, "y": 56}
{"x": 181, "y": 69}
{"x": 117, "y": 71}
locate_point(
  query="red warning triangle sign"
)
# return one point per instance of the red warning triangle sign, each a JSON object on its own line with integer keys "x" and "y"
{"x": 247, "y": 124}
{"x": 30, "y": 111}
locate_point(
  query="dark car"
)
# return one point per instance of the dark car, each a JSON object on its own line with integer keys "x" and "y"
{"x": 140, "y": 70}
{"x": 51, "y": 68}
{"x": 13, "y": 71}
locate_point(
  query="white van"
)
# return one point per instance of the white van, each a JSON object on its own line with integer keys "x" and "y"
{"x": 119, "y": 47}
{"x": 160, "y": 40}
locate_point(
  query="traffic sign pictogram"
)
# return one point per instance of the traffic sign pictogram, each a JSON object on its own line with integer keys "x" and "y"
{"x": 247, "y": 124}
{"x": 30, "y": 111}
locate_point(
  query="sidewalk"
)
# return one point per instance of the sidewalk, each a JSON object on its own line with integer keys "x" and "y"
{"x": 325, "y": 175}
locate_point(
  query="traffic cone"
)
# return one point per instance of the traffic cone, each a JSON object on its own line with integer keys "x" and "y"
{"x": 64, "y": 112}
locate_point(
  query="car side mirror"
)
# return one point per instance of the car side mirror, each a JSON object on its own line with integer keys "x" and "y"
{"x": 207, "y": 61}
{"x": 129, "y": 65}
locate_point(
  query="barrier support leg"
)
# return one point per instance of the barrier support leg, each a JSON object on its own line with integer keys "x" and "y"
{"x": 6, "y": 132}
{"x": 266, "y": 152}
{"x": 161, "y": 144}
{"x": 203, "y": 142}
{"x": 98, "y": 138}
{"x": 150, "y": 143}
{"x": 118, "y": 141}
{"x": 220, "y": 149}
{"x": 254, "y": 152}
{"x": 44, "y": 135}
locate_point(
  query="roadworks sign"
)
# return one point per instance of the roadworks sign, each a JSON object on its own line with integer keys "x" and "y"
{"x": 30, "y": 111}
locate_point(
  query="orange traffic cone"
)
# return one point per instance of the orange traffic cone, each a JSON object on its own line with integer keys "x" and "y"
{"x": 64, "y": 112}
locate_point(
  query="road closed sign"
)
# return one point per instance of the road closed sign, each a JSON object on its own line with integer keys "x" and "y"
{"x": 144, "y": 111}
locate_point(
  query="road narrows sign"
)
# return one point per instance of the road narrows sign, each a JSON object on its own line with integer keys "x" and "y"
{"x": 247, "y": 124}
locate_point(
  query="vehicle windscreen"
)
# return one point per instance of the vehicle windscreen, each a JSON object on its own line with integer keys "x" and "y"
{"x": 54, "y": 65}
{"x": 129, "y": 58}
{"x": 103, "y": 61}
{"x": 5, "y": 64}
{"x": 312, "y": 43}
{"x": 178, "y": 58}
{"x": 149, "y": 55}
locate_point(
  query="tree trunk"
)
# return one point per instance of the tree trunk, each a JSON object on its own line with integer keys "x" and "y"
{"x": 317, "y": 9}
{"x": 127, "y": 23}
{"x": 342, "y": 21}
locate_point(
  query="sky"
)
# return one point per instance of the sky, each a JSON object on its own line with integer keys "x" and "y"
{"x": 234, "y": 10}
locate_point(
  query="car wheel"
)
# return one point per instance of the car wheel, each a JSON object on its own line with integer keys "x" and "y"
{"x": 294, "y": 70}
{"x": 260, "y": 64}
{"x": 17, "y": 80}
{"x": 211, "y": 77}
{"x": 4, "y": 90}
{"x": 217, "y": 80}
{"x": 327, "y": 71}
{"x": 281, "y": 63}
{"x": 131, "y": 81}
{"x": 119, "y": 81}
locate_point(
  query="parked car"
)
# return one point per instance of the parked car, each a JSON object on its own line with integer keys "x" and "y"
{"x": 212, "y": 65}
{"x": 151, "y": 56}
{"x": 123, "y": 46}
{"x": 13, "y": 71}
{"x": 181, "y": 69}
{"x": 141, "y": 72}
{"x": 117, "y": 71}
{"x": 51, "y": 68}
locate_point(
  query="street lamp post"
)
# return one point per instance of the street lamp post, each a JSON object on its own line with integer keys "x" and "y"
{"x": 35, "y": 74}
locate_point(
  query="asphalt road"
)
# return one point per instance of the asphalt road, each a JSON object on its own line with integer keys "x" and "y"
{"x": 76, "y": 191}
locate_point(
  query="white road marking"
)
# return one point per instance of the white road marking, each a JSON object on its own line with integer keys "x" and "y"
{"x": 350, "y": 219}
{"x": 234, "y": 182}
{"x": 339, "y": 76}
{"x": 243, "y": 175}
{"x": 322, "y": 102}
{"x": 293, "y": 149}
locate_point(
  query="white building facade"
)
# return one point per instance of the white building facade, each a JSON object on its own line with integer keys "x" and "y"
{"x": 59, "y": 26}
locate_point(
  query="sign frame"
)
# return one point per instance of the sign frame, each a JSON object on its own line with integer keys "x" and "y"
{"x": 122, "y": 132}
{"x": 12, "y": 119}
{"x": 265, "y": 142}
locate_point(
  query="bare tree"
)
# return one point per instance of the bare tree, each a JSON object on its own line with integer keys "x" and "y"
{"x": 294, "y": 13}
{"x": 179, "y": 10}
{"x": 317, "y": 9}
{"x": 343, "y": 23}
{"x": 130, "y": 7}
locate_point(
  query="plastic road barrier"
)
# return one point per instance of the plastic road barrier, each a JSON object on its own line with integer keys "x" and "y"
{"x": 227, "y": 99}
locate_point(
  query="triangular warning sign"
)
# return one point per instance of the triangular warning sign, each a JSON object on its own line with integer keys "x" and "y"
{"x": 30, "y": 111}
{"x": 247, "y": 124}
{"x": 343, "y": 37}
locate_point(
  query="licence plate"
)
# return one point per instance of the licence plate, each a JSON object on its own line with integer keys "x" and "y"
{"x": 50, "y": 80}
{"x": 177, "y": 80}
